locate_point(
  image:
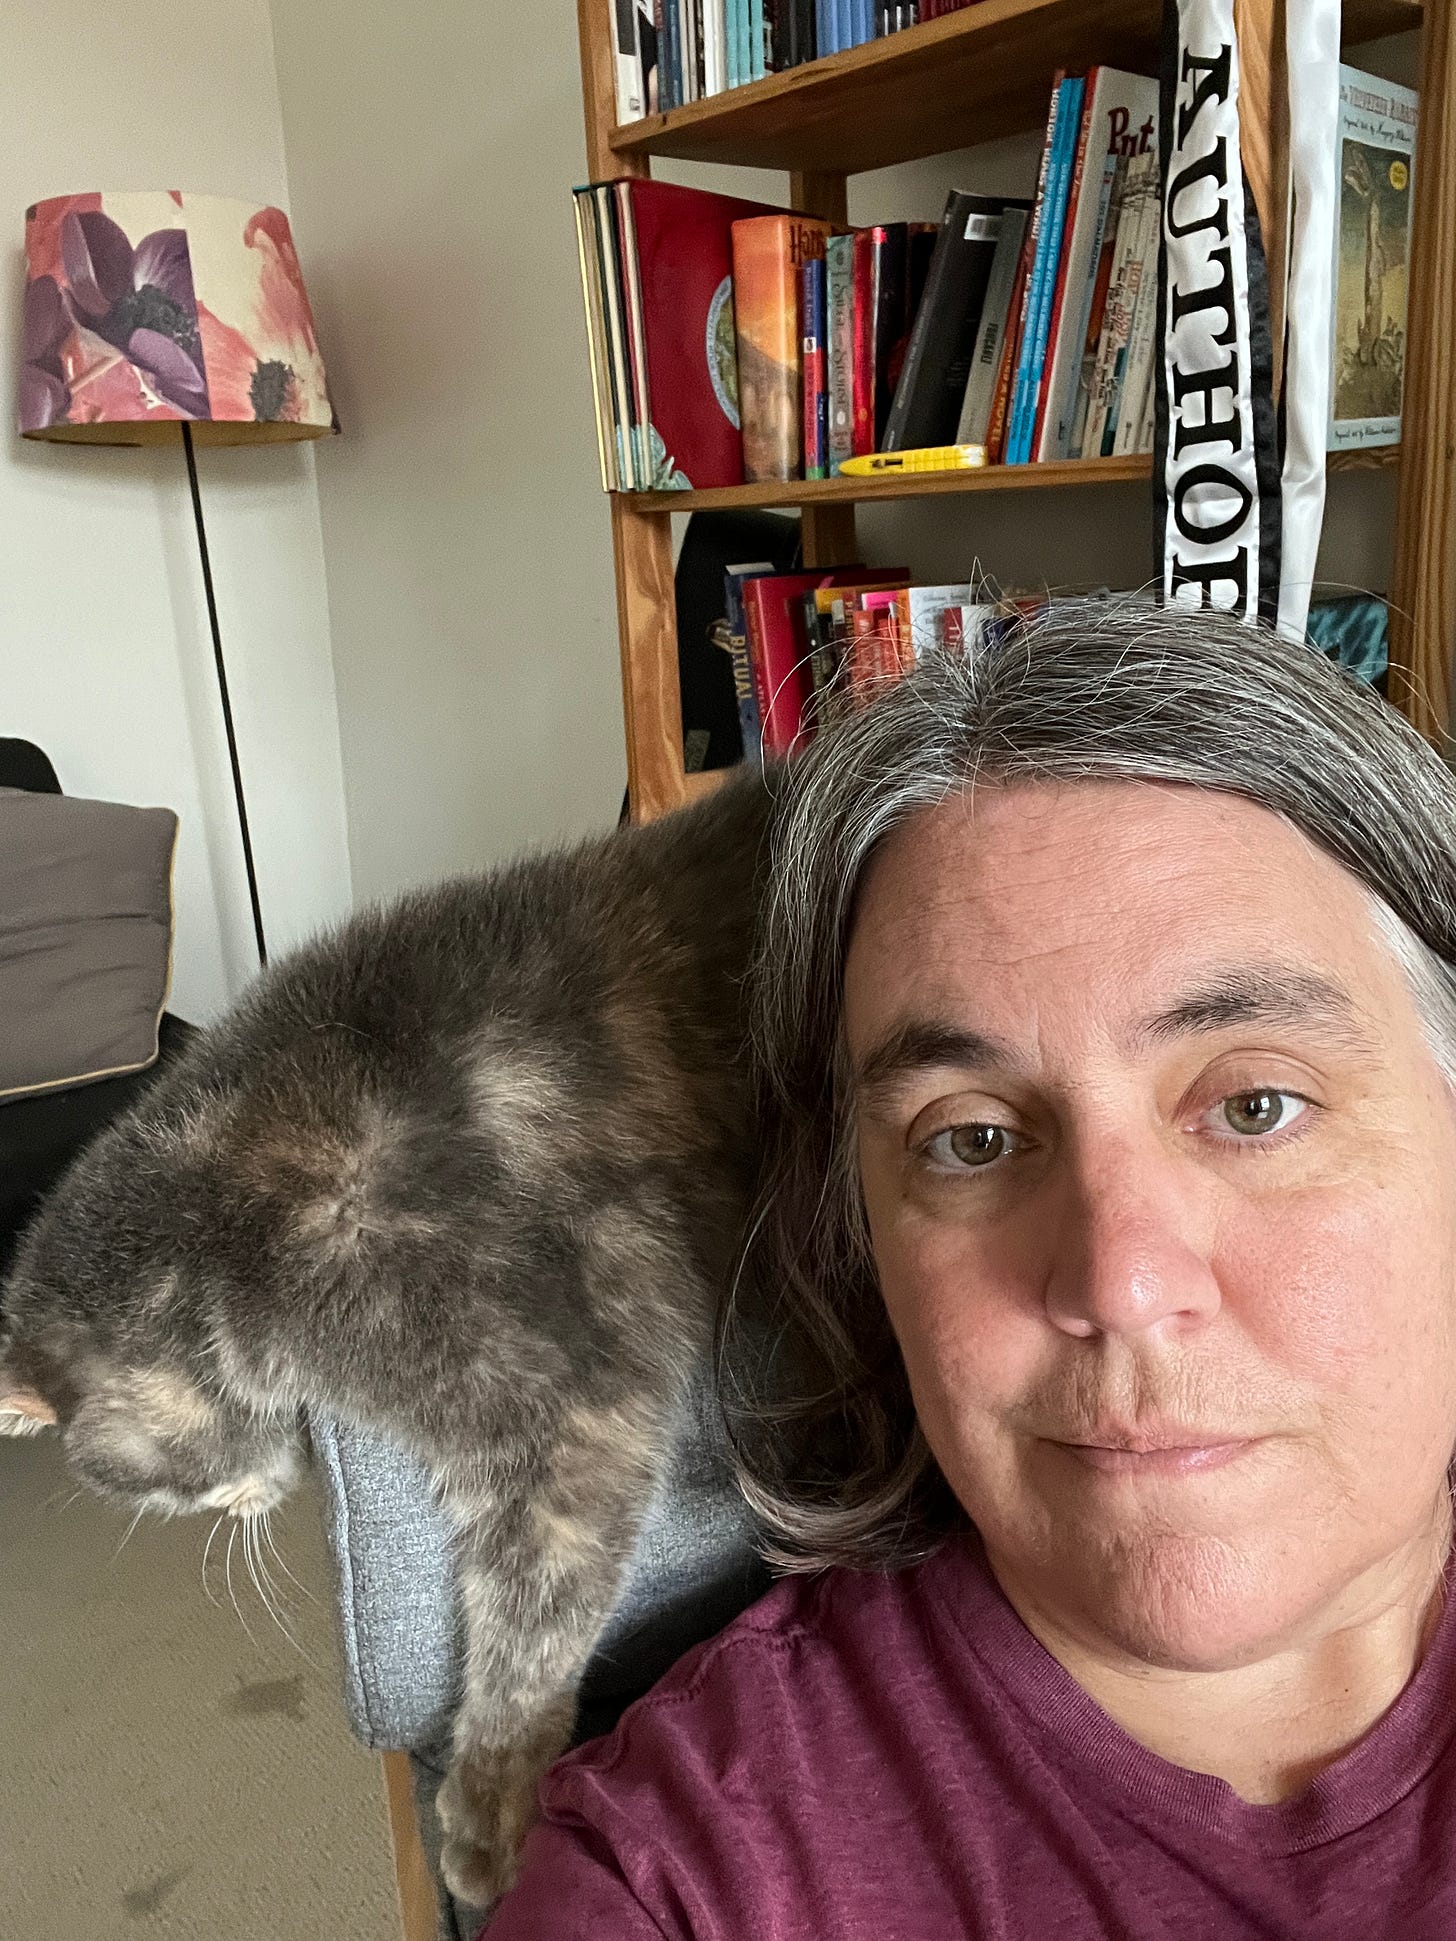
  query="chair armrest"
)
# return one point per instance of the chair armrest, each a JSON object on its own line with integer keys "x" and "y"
{"x": 396, "y": 1589}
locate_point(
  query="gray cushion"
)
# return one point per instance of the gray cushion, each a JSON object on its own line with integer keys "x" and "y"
{"x": 85, "y": 938}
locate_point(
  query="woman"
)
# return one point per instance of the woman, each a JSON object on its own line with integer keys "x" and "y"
{"x": 1107, "y": 1002}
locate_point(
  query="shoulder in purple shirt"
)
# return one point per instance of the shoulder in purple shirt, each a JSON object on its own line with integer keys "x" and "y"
{"x": 896, "y": 1758}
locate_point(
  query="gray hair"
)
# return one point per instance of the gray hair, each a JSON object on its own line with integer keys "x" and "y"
{"x": 828, "y": 1450}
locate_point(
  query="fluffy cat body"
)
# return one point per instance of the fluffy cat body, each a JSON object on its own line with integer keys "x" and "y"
{"x": 471, "y": 1171}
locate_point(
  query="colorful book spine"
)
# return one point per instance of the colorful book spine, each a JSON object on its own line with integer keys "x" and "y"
{"x": 839, "y": 305}
{"x": 991, "y": 335}
{"x": 816, "y": 389}
{"x": 1043, "y": 275}
{"x": 1114, "y": 185}
{"x": 865, "y": 306}
{"x": 732, "y": 54}
{"x": 999, "y": 452}
{"x": 768, "y": 255}
{"x": 749, "y": 721}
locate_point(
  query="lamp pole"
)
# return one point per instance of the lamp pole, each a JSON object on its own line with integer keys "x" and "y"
{"x": 227, "y": 706}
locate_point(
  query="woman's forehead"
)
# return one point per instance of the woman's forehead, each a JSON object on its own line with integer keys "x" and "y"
{"x": 1108, "y": 895}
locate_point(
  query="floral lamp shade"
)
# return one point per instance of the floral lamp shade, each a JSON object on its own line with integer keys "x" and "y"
{"x": 145, "y": 310}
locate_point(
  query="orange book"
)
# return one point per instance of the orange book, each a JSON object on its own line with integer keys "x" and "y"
{"x": 768, "y": 254}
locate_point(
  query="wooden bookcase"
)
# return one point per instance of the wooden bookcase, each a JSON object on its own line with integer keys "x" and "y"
{"x": 988, "y": 69}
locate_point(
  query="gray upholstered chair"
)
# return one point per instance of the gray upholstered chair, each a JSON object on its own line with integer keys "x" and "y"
{"x": 695, "y": 1569}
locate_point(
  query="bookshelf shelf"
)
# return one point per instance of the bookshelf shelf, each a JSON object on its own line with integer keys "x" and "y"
{"x": 969, "y": 77}
{"x": 917, "y": 485}
{"x": 936, "y": 485}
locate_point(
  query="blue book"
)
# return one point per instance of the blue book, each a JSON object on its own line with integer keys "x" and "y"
{"x": 730, "y": 18}
{"x": 745, "y": 44}
{"x": 733, "y": 613}
{"x": 668, "y": 72}
{"x": 864, "y": 21}
{"x": 1044, "y": 273}
{"x": 757, "y": 67}
{"x": 823, "y": 27}
{"x": 813, "y": 306}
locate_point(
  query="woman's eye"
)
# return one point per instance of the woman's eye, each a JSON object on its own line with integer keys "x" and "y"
{"x": 972, "y": 1147}
{"x": 1254, "y": 1115}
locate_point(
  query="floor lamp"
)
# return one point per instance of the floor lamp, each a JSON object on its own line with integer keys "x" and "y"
{"x": 164, "y": 319}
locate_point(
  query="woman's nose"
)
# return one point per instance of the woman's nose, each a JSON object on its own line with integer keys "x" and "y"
{"x": 1132, "y": 1250}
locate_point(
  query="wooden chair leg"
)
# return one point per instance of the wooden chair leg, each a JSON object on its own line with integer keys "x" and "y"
{"x": 418, "y": 1908}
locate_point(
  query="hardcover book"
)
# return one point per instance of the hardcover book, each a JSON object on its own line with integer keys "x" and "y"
{"x": 1377, "y": 139}
{"x": 768, "y": 255}
{"x": 932, "y": 386}
{"x": 839, "y": 298}
{"x": 684, "y": 286}
{"x": 816, "y": 390}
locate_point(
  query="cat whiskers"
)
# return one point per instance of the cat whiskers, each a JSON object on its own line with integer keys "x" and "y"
{"x": 262, "y": 1582}
{"x": 206, "y": 1552}
{"x": 130, "y": 1532}
{"x": 227, "y": 1565}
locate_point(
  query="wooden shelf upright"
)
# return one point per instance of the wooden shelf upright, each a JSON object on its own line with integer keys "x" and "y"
{"x": 989, "y": 69}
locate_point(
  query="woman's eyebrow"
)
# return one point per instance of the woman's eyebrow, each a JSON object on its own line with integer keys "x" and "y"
{"x": 926, "y": 1044}
{"x": 1276, "y": 995}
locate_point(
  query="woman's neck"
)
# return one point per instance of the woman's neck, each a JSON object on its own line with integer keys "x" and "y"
{"x": 1268, "y": 1727}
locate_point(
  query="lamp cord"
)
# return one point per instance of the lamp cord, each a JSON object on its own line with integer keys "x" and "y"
{"x": 227, "y": 706}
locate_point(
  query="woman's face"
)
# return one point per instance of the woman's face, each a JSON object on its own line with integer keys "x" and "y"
{"x": 1160, "y": 1174}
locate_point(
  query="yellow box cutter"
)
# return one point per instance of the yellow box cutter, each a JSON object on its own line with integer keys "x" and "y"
{"x": 930, "y": 458}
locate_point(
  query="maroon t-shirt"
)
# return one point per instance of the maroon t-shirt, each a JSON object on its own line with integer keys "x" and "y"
{"x": 867, "y": 1758}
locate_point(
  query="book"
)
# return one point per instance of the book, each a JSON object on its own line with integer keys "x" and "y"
{"x": 1119, "y": 120}
{"x": 998, "y": 452}
{"x": 669, "y": 54}
{"x": 603, "y": 204}
{"x": 630, "y": 105}
{"x": 687, "y": 28}
{"x": 591, "y": 291}
{"x": 755, "y": 40}
{"x": 1101, "y": 424}
{"x": 995, "y": 320}
{"x": 931, "y": 390}
{"x": 816, "y": 392}
{"x": 680, "y": 282}
{"x": 824, "y": 26}
{"x": 881, "y": 266}
{"x": 1376, "y": 161}
{"x": 768, "y": 252}
{"x": 1137, "y": 368}
{"x": 736, "y": 623}
{"x": 839, "y": 304}
{"x": 631, "y": 294}
{"x": 715, "y": 46}
{"x": 731, "y": 42}
{"x": 1114, "y": 183}
{"x": 646, "y": 32}
{"x": 923, "y": 608}
{"x": 1066, "y": 122}
{"x": 779, "y": 647}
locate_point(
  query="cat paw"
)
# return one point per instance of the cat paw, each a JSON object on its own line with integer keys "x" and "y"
{"x": 486, "y": 1807}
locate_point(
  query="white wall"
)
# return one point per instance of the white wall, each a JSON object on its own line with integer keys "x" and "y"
{"x": 105, "y": 657}
{"x": 431, "y": 153}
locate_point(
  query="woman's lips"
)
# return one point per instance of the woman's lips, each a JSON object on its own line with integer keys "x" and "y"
{"x": 1172, "y": 1459}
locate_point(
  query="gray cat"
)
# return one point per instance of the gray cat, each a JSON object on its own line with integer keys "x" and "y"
{"x": 473, "y": 1172}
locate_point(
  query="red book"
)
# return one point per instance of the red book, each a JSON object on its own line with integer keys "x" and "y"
{"x": 684, "y": 253}
{"x": 1001, "y": 401}
{"x": 864, "y": 341}
{"x": 778, "y": 638}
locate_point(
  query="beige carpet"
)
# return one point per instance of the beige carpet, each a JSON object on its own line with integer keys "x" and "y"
{"x": 164, "y": 1776}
